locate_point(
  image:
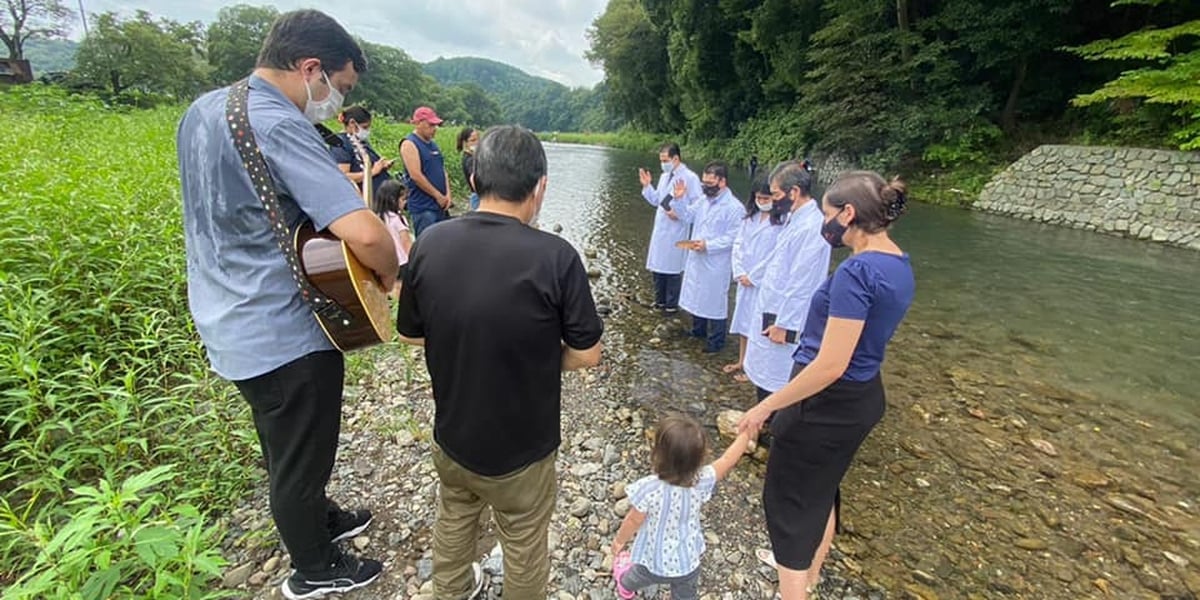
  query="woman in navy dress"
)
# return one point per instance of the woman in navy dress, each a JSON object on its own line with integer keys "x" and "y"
{"x": 835, "y": 396}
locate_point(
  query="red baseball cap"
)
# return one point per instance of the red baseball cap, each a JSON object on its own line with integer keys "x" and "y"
{"x": 424, "y": 113}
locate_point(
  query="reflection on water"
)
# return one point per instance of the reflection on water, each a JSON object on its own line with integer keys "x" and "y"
{"x": 1113, "y": 318}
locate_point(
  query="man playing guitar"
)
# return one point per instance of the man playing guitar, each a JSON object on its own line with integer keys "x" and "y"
{"x": 244, "y": 287}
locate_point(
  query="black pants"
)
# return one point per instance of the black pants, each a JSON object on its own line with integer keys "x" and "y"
{"x": 298, "y": 413}
{"x": 666, "y": 289}
{"x": 712, "y": 331}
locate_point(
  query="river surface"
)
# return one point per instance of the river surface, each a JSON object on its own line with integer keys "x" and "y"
{"x": 1044, "y": 395}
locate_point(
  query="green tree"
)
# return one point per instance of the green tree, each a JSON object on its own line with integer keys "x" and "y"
{"x": 23, "y": 20}
{"x": 1170, "y": 75}
{"x": 633, "y": 54}
{"x": 482, "y": 109}
{"x": 394, "y": 84}
{"x": 143, "y": 54}
{"x": 235, "y": 38}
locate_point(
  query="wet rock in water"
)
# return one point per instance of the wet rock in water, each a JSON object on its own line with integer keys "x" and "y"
{"x": 916, "y": 591}
{"x": 590, "y": 253}
{"x": 1132, "y": 557}
{"x": 1089, "y": 479}
{"x": 238, "y": 575}
{"x": 1043, "y": 446}
{"x": 1031, "y": 544}
{"x": 1179, "y": 561}
{"x": 594, "y": 272}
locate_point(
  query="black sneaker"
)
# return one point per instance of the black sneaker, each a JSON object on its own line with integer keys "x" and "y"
{"x": 345, "y": 574}
{"x": 345, "y": 524}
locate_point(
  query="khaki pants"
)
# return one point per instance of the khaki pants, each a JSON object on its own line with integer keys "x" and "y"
{"x": 522, "y": 503}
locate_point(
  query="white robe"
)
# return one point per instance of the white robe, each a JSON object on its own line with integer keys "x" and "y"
{"x": 795, "y": 270}
{"x": 663, "y": 256}
{"x": 751, "y": 249}
{"x": 705, "y": 291}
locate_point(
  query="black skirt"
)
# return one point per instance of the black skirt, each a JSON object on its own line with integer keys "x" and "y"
{"x": 814, "y": 442}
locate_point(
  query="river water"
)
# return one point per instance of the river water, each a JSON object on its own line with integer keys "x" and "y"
{"x": 1044, "y": 406}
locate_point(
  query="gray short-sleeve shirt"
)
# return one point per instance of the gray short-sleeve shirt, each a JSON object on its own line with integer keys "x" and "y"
{"x": 246, "y": 306}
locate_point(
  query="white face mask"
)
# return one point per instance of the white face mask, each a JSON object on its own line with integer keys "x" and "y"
{"x": 324, "y": 110}
{"x": 364, "y": 133}
{"x": 764, "y": 207}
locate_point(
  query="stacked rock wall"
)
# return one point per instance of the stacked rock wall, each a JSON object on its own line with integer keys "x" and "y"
{"x": 1140, "y": 193}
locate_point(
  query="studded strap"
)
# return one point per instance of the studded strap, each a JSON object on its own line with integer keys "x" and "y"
{"x": 237, "y": 114}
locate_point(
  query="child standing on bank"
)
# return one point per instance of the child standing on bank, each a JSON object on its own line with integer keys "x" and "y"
{"x": 389, "y": 201}
{"x": 668, "y": 547}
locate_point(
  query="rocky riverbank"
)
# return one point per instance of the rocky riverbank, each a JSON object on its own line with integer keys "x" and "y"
{"x": 982, "y": 481}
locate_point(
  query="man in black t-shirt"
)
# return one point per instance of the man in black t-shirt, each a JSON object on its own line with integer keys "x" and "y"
{"x": 499, "y": 324}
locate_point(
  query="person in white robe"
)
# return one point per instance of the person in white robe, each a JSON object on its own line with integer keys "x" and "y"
{"x": 672, "y": 221}
{"x": 715, "y": 219}
{"x": 797, "y": 267}
{"x": 753, "y": 246}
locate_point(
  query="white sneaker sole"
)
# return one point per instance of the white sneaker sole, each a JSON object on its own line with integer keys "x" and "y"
{"x": 353, "y": 532}
{"x": 290, "y": 595}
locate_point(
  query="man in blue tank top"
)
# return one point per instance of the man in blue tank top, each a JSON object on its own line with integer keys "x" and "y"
{"x": 425, "y": 168}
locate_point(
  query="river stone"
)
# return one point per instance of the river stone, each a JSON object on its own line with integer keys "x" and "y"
{"x": 271, "y": 564}
{"x": 1030, "y": 544}
{"x": 1043, "y": 446}
{"x": 238, "y": 575}
{"x": 581, "y": 507}
{"x": 727, "y": 421}
{"x": 1089, "y": 479}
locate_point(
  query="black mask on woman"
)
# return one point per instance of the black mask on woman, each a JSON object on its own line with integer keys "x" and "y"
{"x": 833, "y": 231}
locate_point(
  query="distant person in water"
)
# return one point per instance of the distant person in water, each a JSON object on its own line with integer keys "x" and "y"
{"x": 468, "y": 138}
{"x": 835, "y": 397}
{"x": 672, "y": 219}
{"x": 752, "y": 248}
{"x": 425, "y": 167}
{"x": 753, "y": 166}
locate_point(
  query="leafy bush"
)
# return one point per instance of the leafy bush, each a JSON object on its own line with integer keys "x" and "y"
{"x": 103, "y": 377}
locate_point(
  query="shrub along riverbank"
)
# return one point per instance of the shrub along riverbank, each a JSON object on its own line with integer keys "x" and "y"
{"x": 120, "y": 449}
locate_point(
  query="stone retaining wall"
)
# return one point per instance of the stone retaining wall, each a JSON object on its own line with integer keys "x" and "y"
{"x": 1139, "y": 193}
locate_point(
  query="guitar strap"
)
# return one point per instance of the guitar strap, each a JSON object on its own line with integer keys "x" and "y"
{"x": 237, "y": 115}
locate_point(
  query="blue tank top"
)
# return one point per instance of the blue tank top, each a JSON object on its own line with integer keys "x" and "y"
{"x": 433, "y": 165}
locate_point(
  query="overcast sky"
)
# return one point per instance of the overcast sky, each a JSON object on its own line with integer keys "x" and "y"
{"x": 540, "y": 37}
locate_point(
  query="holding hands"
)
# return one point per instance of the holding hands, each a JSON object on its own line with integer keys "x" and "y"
{"x": 752, "y": 421}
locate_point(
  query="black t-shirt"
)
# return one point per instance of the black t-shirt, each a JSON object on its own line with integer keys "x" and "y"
{"x": 495, "y": 300}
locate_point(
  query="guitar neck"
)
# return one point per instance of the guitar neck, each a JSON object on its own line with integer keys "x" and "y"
{"x": 365, "y": 158}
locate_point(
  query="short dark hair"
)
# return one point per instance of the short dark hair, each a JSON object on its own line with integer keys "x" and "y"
{"x": 793, "y": 173}
{"x": 877, "y": 203}
{"x": 358, "y": 114}
{"x": 718, "y": 168}
{"x": 301, "y": 34}
{"x": 672, "y": 150}
{"x": 509, "y": 162}
{"x": 679, "y": 450}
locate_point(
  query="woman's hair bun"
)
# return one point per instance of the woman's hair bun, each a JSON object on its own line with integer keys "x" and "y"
{"x": 895, "y": 199}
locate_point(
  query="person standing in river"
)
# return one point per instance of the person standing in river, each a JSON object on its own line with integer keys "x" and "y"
{"x": 794, "y": 271}
{"x": 835, "y": 397}
{"x": 752, "y": 250}
{"x": 665, "y": 259}
{"x": 499, "y": 325}
{"x": 715, "y": 219}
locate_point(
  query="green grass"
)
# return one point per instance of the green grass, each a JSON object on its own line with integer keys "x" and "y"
{"x": 625, "y": 139}
{"x": 114, "y": 430}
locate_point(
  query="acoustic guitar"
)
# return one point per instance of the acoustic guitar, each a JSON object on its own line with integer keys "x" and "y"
{"x": 332, "y": 268}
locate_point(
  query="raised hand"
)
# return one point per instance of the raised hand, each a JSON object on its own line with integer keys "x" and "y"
{"x": 644, "y": 177}
{"x": 680, "y": 188}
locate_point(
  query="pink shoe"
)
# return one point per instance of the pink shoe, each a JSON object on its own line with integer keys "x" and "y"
{"x": 621, "y": 565}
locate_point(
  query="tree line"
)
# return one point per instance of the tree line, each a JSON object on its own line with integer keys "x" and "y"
{"x": 886, "y": 82}
{"x": 143, "y": 60}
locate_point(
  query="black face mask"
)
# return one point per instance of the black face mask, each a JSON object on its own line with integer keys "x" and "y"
{"x": 833, "y": 231}
{"x": 782, "y": 206}
{"x": 710, "y": 190}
